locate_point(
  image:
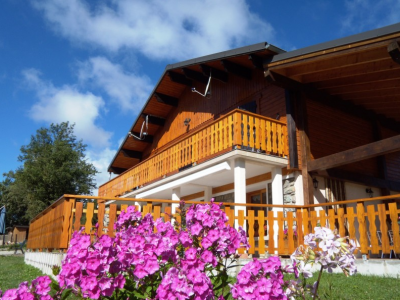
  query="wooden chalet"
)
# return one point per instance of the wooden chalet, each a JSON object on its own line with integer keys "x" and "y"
{"x": 311, "y": 129}
{"x": 328, "y": 113}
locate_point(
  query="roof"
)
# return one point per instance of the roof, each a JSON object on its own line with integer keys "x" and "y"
{"x": 171, "y": 88}
{"x": 359, "y": 74}
{"x": 349, "y": 40}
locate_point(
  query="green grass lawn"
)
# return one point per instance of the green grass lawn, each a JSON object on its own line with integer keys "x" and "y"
{"x": 338, "y": 286}
{"x": 333, "y": 286}
{"x": 13, "y": 271}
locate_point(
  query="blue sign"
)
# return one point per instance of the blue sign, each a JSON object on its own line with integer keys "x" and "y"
{"x": 3, "y": 220}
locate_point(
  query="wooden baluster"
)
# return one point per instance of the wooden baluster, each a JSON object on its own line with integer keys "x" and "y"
{"x": 167, "y": 214}
{"x": 291, "y": 246}
{"x": 341, "y": 221}
{"x": 374, "y": 244}
{"x": 100, "y": 218}
{"x": 112, "y": 217}
{"x": 268, "y": 137}
{"x": 281, "y": 241}
{"x": 384, "y": 229}
{"x": 157, "y": 212}
{"x": 395, "y": 227}
{"x": 245, "y": 125}
{"x": 362, "y": 228}
{"x": 271, "y": 245}
{"x": 251, "y": 231}
{"x": 274, "y": 135}
{"x": 78, "y": 215}
{"x": 299, "y": 222}
{"x": 331, "y": 218}
{"x": 89, "y": 217}
{"x": 350, "y": 222}
{"x": 322, "y": 217}
{"x": 261, "y": 234}
{"x": 313, "y": 220}
{"x": 241, "y": 223}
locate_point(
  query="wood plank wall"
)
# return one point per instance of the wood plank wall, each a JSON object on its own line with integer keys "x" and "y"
{"x": 225, "y": 97}
{"x": 332, "y": 131}
{"x": 392, "y": 159}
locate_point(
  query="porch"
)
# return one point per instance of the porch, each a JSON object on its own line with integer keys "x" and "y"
{"x": 273, "y": 229}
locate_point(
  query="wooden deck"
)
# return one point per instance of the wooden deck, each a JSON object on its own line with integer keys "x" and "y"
{"x": 368, "y": 221}
{"x": 236, "y": 129}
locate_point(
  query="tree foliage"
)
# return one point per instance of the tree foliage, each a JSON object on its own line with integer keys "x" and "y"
{"x": 53, "y": 164}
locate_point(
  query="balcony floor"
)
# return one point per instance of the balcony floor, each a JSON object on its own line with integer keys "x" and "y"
{"x": 214, "y": 173}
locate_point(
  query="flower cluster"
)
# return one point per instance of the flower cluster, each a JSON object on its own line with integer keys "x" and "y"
{"x": 39, "y": 289}
{"x": 335, "y": 252}
{"x": 91, "y": 270}
{"x": 260, "y": 279}
{"x": 155, "y": 260}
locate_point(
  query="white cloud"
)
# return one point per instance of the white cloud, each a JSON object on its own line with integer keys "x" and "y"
{"x": 364, "y": 15}
{"x": 101, "y": 160}
{"x": 169, "y": 29}
{"x": 66, "y": 103}
{"x": 129, "y": 91}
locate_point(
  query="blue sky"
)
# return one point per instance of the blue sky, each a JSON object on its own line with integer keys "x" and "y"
{"x": 94, "y": 63}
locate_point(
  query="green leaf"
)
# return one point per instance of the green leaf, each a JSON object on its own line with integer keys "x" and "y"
{"x": 66, "y": 294}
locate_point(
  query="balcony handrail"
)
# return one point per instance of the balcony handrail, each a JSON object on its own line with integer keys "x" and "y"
{"x": 299, "y": 206}
{"x": 191, "y": 133}
{"x": 53, "y": 230}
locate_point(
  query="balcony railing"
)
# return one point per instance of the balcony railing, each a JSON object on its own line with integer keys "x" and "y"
{"x": 238, "y": 128}
{"x": 363, "y": 220}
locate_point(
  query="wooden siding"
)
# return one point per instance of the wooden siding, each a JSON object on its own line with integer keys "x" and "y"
{"x": 393, "y": 159}
{"x": 362, "y": 219}
{"x": 332, "y": 131}
{"x": 225, "y": 97}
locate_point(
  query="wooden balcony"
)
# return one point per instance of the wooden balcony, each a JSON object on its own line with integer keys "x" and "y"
{"x": 368, "y": 221}
{"x": 238, "y": 129}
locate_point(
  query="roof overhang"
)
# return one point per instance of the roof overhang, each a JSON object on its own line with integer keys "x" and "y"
{"x": 174, "y": 80}
{"x": 359, "y": 74}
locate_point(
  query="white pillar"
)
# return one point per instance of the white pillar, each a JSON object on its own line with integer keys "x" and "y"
{"x": 277, "y": 197}
{"x": 298, "y": 187}
{"x": 207, "y": 193}
{"x": 240, "y": 186}
{"x": 176, "y": 195}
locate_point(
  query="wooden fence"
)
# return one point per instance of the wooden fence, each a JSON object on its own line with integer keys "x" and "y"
{"x": 368, "y": 221}
{"x": 238, "y": 128}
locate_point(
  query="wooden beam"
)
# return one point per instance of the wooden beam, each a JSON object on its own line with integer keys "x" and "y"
{"x": 146, "y": 139}
{"x": 331, "y": 101}
{"x": 361, "y": 178}
{"x": 154, "y": 119}
{"x": 381, "y": 159}
{"x": 371, "y": 150}
{"x": 236, "y": 69}
{"x": 165, "y": 99}
{"x": 308, "y": 187}
{"x": 179, "y": 78}
{"x": 196, "y": 76}
{"x": 131, "y": 153}
{"x": 215, "y": 73}
{"x": 291, "y": 128}
{"x": 116, "y": 170}
{"x": 365, "y": 69}
{"x": 394, "y": 51}
{"x": 257, "y": 61}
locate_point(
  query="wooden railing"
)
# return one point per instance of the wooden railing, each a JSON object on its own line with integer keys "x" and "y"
{"x": 51, "y": 228}
{"x": 238, "y": 128}
{"x": 361, "y": 219}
